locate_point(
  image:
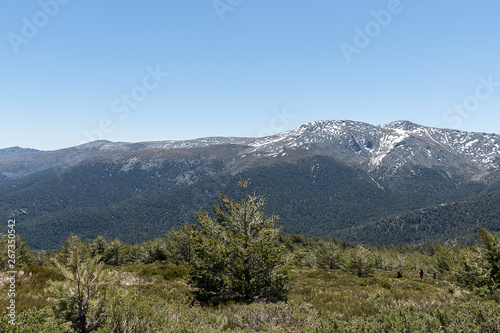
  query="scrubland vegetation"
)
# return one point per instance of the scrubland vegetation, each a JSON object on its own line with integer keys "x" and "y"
{"x": 149, "y": 292}
{"x": 236, "y": 272}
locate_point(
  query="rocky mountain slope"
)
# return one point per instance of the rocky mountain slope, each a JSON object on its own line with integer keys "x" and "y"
{"x": 14, "y": 152}
{"x": 321, "y": 178}
{"x": 382, "y": 151}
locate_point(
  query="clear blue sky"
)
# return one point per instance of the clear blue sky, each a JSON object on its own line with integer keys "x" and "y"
{"x": 72, "y": 71}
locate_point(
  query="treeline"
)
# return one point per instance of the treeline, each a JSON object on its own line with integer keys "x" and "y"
{"x": 176, "y": 248}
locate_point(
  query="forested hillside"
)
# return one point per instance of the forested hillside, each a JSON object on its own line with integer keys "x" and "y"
{"x": 452, "y": 223}
{"x": 329, "y": 178}
{"x": 313, "y": 196}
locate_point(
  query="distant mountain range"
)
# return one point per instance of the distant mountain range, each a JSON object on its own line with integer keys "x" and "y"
{"x": 327, "y": 178}
{"x": 13, "y": 152}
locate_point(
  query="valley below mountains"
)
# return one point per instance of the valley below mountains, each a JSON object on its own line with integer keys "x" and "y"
{"x": 376, "y": 184}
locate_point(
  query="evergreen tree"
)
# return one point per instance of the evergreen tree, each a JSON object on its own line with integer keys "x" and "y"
{"x": 115, "y": 253}
{"x": 473, "y": 271}
{"x": 82, "y": 295}
{"x": 137, "y": 254}
{"x": 179, "y": 245}
{"x": 99, "y": 246}
{"x": 361, "y": 261}
{"x": 156, "y": 250}
{"x": 23, "y": 255}
{"x": 328, "y": 255}
{"x": 491, "y": 246}
{"x": 43, "y": 257}
{"x": 73, "y": 242}
{"x": 480, "y": 267}
{"x": 238, "y": 254}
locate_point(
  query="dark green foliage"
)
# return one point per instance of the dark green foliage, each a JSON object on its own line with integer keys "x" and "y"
{"x": 73, "y": 243}
{"x": 313, "y": 195}
{"x": 99, "y": 199}
{"x": 491, "y": 246}
{"x": 479, "y": 267}
{"x": 20, "y": 250}
{"x": 98, "y": 246}
{"x": 454, "y": 222}
{"x": 116, "y": 253}
{"x": 180, "y": 248}
{"x": 155, "y": 250}
{"x": 329, "y": 255}
{"x": 316, "y": 196}
{"x": 237, "y": 254}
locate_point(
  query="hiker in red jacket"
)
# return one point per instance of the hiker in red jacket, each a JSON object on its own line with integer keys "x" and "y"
{"x": 421, "y": 274}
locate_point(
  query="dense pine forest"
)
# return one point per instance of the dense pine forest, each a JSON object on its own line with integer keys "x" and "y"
{"x": 316, "y": 196}
{"x": 236, "y": 271}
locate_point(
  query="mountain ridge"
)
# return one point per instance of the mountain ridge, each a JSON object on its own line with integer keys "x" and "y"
{"x": 322, "y": 177}
{"x": 374, "y": 148}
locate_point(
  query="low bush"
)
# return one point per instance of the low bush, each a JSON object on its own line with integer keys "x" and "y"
{"x": 465, "y": 317}
{"x": 32, "y": 321}
{"x": 167, "y": 272}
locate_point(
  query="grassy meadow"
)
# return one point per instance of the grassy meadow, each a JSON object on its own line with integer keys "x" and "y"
{"x": 157, "y": 298}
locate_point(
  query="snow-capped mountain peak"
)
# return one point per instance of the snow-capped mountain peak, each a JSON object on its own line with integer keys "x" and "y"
{"x": 388, "y": 148}
{"x": 383, "y": 151}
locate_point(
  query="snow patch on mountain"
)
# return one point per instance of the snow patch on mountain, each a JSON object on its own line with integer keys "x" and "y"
{"x": 380, "y": 150}
{"x": 389, "y": 146}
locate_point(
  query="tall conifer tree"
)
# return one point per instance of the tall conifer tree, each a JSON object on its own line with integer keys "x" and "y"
{"x": 237, "y": 254}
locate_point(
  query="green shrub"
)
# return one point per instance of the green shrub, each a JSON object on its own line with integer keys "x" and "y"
{"x": 33, "y": 321}
{"x": 466, "y": 317}
{"x": 167, "y": 272}
{"x": 131, "y": 311}
{"x": 41, "y": 274}
{"x": 361, "y": 262}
